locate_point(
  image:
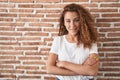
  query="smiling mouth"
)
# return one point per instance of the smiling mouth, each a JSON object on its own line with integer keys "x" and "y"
{"x": 73, "y": 29}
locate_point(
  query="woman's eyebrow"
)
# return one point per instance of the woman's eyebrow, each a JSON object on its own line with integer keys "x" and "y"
{"x": 74, "y": 18}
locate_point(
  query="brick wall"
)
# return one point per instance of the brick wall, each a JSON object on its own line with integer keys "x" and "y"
{"x": 27, "y": 28}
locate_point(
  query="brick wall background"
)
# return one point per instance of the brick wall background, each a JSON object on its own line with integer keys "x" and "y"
{"x": 27, "y": 28}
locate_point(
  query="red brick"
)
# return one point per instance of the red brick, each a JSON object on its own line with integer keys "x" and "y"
{"x": 11, "y": 24}
{"x": 21, "y": 10}
{"x": 49, "y": 78}
{"x": 36, "y": 34}
{"x": 110, "y": 59}
{"x": 48, "y": 11}
{"x": 29, "y": 77}
{"x": 36, "y": 72}
{"x": 8, "y": 15}
{"x": 103, "y": 24}
{"x": 74, "y": 0}
{"x": 10, "y": 62}
{"x": 109, "y": 20}
{"x": 35, "y": 53}
{"x": 113, "y": 35}
{"x": 3, "y": 10}
{"x": 11, "y": 33}
{"x": 50, "y": 29}
{"x": 6, "y": 66}
{"x": 22, "y": 1}
{"x": 109, "y": 39}
{"x": 111, "y": 15}
{"x": 111, "y": 64}
{"x": 7, "y": 38}
{"x": 109, "y": 29}
{"x": 27, "y": 20}
{"x": 48, "y": 39}
{"x": 27, "y": 67}
{"x": 49, "y": 44}
{"x": 28, "y": 29}
{"x": 90, "y": 5}
{"x": 104, "y": 0}
{"x": 112, "y": 74}
{"x": 117, "y": 24}
{"x": 11, "y": 53}
{"x": 108, "y": 78}
{"x": 43, "y": 67}
{"x": 34, "y": 43}
{"x": 44, "y": 49}
{"x": 7, "y": 57}
{"x": 6, "y": 19}
{"x": 3, "y": 5}
{"x": 26, "y": 48}
{"x": 49, "y": 20}
{"x": 52, "y": 15}
{"x": 6, "y": 48}
{"x": 3, "y": 0}
{"x": 109, "y": 69}
{"x": 34, "y": 63}
{"x": 41, "y": 24}
{"x": 31, "y": 15}
{"x": 7, "y": 76}
{"x": 44, "y": 52}
{"x": 111, "y": 44}
{"x": 111, "y": 5}
{"x": 7, "y": 29}
{"x": 12, "y": 71}
{"x": 104, "y": 10}
{"x": 47, "y": 1}
{"x": 112, "y": 54}
{"x": 53, "y": 6}
{"x": 95, "y": 15}
{"x": 30, "y": 6}
{"x": 109, "y": 49}
{"x": 101, "y": 35}
{"x": 28, "y": 38}
{"x": 29, "y": 58}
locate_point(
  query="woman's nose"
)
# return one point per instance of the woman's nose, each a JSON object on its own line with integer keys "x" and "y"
{"x": 72, "y": 24}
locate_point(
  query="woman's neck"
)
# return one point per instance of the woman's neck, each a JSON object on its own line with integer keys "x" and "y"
{"x": 71, "y": 38}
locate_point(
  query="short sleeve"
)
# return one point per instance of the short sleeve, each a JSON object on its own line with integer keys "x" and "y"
{"x": 55, "y": 46}
{"x": 94, "y": 48}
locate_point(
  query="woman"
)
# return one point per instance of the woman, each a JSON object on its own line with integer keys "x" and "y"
{"x": 74, "y": 55}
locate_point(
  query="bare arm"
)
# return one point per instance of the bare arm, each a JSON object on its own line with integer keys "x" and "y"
{"x": 53, "y": 69}
{"x": 89, "y": 67}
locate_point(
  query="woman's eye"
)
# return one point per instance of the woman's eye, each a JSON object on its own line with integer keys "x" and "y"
{"x": 67, "y": 21}
{"x": 77, "y": 20}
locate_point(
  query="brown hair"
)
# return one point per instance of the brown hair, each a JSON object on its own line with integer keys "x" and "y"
{"x": 87, "y": 33}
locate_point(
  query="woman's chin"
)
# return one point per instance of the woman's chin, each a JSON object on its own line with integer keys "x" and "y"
{"x": 73, "y": 34}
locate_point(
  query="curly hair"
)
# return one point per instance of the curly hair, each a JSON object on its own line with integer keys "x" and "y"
{"x": 87, "y": 33}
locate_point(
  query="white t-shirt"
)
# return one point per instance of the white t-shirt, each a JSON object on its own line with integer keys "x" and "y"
{"x": 67, "y": 51}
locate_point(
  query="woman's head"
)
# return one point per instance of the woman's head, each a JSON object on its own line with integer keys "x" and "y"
{"x": 78, "y": 19}
{"x": 72, "y": 23}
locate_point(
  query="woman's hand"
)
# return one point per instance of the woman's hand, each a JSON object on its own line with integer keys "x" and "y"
{"x": 60, "y": 64}
{"x": 91, "y": 60}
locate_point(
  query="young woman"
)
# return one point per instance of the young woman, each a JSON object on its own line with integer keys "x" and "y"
{"x": 74, "y": 54}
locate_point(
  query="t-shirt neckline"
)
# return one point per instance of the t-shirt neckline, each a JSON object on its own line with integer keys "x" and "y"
{"x": 68, "y": 41}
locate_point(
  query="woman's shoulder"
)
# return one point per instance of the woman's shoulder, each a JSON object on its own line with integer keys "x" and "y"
{"x": 94, "y": 44}
{"x": 58, "y": 37}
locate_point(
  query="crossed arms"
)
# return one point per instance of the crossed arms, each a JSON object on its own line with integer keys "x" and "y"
{"x": 88, "y": 68}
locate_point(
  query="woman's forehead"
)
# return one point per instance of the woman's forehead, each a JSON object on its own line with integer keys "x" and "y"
{"x": 71, "y": 15}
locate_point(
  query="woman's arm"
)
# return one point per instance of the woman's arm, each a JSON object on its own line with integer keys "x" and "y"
{"x": 53, "y": 69}
{"x": 89, "y": 67}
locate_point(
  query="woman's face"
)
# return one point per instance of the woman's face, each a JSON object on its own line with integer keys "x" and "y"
{"x": 72, "y": 22}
